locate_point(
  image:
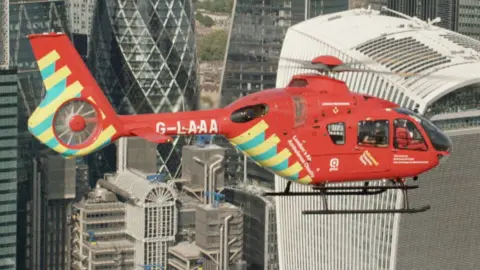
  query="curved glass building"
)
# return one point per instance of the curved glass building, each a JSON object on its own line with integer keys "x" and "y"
{"x": 142, "y": 53}
{"x": 448, "y": 92}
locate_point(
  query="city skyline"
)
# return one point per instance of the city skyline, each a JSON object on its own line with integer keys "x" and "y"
{"x": 144, "y": 214}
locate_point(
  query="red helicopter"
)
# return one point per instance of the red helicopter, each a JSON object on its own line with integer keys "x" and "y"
{"x": 313, "y": 132}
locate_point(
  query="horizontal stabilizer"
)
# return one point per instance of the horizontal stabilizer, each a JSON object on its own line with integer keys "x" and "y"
{"x": 150, "y": 135}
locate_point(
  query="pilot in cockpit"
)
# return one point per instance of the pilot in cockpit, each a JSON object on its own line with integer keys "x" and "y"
{"x": 376, "y": 134}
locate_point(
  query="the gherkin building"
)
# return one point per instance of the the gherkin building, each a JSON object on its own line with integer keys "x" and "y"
{"x": 142, "y": 53}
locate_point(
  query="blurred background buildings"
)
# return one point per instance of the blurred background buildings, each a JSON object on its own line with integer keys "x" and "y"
{"x": 149, "y": 209}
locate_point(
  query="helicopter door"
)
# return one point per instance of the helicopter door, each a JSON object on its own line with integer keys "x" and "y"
{"x": 373, "y": 141}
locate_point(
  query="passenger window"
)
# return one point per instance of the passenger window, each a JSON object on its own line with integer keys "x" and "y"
{"x": 373, "y": 133}
{"x": 249, "y": 113}
{"x": 337, "y": 133}
{"x": 407, "y": 136}
{"x": 299, "y": 104}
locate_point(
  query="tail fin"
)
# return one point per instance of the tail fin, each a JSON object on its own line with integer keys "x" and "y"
{"x": 74, "y": 118}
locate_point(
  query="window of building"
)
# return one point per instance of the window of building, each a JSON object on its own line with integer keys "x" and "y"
{"x": 337, "y": 133}
{"x": 299, "y": 110}
{"x": 407, "y": 136}
{"x": 373, "y": 133}
{"x": 248, "y": 113}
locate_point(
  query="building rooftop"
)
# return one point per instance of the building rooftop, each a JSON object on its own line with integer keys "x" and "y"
{"x": 136, "y": 184}
{"x": 384, "y": 43}
{"x": 187, "y": 250}
{"x": 221, "y": 205}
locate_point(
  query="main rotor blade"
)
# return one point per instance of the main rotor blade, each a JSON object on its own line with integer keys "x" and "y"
{"x": 349, "y": 67}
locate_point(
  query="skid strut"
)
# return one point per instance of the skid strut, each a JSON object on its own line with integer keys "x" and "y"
{"x": 324, "y": 191}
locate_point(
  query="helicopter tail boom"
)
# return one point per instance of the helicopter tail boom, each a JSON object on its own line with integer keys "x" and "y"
{"x": 74, "y": 118}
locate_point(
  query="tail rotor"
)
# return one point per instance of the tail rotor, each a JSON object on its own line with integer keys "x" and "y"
{"x": 76, "y": 123}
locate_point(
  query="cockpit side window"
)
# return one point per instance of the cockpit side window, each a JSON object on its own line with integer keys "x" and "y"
{"x": 407, "y": 136}
{"x": 299, "y": 110}
{"x": 249, "y": 113}
{"x": 373, "y": 133}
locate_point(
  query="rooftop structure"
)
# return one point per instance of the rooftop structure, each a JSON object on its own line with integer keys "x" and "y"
{"x": 219, "y": 234}
{"x": 449, "y": 93}
{"x": 185, "y": 256}
{"x": 386, "y": 43}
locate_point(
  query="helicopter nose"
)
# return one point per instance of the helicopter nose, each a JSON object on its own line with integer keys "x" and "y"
{"x": 443, "y": 156}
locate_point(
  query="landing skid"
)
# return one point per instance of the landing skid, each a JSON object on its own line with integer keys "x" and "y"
{"x": 324, "y": 191}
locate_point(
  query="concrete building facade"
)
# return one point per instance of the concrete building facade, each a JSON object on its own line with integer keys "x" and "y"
{"x": 446, "y": 91}
{"x": 99, "y": 240}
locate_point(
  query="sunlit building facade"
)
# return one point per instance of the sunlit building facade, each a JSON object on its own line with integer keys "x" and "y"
{"x": 142, "y": 54}
{"x": 449, "y": 94}
{"x": 253, "y": 48}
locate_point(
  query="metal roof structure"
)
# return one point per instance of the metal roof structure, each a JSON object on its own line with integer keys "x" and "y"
{"x": 444, "y": 59}
{"x": 133, "y": 182}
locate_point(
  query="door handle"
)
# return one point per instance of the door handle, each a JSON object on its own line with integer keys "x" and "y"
{"x": 358, "y": 148}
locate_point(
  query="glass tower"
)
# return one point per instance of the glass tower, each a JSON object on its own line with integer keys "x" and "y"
{"x": 142, "y": 54}
{"x": 253, "y": 49}
{"x": 8, "y": 168}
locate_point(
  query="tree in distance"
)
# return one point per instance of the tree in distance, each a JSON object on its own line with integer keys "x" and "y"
{"x": 220, "y": 6}
{"x": 211, "y": 47}
{"x": 204, "y": 20}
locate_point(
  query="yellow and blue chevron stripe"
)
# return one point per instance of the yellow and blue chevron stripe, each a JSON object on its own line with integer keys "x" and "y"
{"x": 40, "y": 123}
{"x": 265, "y": 152}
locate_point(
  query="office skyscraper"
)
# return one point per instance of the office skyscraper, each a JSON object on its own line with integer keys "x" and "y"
{"x": 447, "y": 10}
{"x": 143, "y": 57}
{"x": 29, "y": 17}
{"x": 441, "y": 238}
{"x": 4, "y": 53}
{"x": 469, "y": 18}
{"x": 9, "y": 160}
{"x": 255, "y": 40}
